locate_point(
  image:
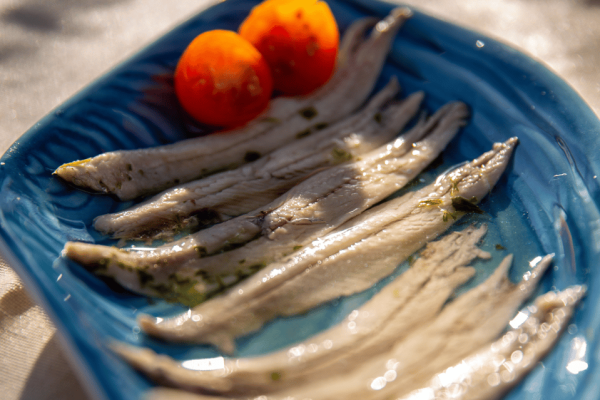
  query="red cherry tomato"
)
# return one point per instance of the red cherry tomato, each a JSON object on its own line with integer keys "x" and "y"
{"x": 222, "y": 80}
{"x": 298, "y": 38}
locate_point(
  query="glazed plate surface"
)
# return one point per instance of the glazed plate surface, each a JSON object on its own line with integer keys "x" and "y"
{"x": 547, "y": 201}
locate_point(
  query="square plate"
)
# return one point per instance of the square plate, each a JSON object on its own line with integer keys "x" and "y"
{"x": 546, "y": 203}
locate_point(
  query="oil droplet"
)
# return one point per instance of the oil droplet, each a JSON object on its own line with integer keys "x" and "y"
{"x": 378, "y": 383}
{"x": 572, "y": 329}
{"x": 494, "y": 379}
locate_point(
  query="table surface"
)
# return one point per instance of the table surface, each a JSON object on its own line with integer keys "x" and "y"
{"x": 50, "y": 49}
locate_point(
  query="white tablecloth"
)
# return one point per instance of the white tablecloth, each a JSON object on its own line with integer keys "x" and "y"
{"x": 49, "y": 49}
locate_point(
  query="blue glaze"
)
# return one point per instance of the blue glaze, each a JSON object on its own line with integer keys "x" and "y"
{"x": 547, "y": 202}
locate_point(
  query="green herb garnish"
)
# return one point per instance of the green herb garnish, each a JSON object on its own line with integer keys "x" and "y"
{"x": 454, "y": 188}
{"x": 251, "y": 156}
{"x": 201, "y": 251}
{"x": 340, "y": 155}
{"x": 430, "y": 203}
{"x": 144, "y": 277}
{"x": 309, "y": 112}
{"x": 275, "y": 376}
{"x": 303, "y": 134}
{"x": 446, "y": 216}
{"x": 463, "y": 205}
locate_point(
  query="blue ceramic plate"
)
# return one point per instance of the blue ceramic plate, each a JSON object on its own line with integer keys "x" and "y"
{"x": 547, "y": 201}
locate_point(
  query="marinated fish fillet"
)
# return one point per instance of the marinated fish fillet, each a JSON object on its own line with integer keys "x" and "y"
{"x": 464, "y": 326}
{"x": 231, "y": 193}
{"x": 317, "y": 205}
{"x": 411, "y": 300}
{"x": 132, "y": 173}
{"x": 348, "y": 260}
{"x": 481, "y": 377}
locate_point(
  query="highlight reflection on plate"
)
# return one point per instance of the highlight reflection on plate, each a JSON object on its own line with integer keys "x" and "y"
{"x": 546, "y": 203}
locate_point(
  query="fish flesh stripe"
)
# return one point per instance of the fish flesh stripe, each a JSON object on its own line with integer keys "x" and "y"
{"x": 411, "y": 300}
{"x": 346, "y": 261}
{"x": 330, "y": 197}
{"x": 129, "y": 174}
{"x": 244, "y": 189}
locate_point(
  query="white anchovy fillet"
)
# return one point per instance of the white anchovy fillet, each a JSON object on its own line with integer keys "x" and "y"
{"x": 465, "y": 325}
{"x": 311, "y": 209}
{"x": 481, "y": 377}
{"x": 411, "y": 300}
{"x": 132, "y": 173}
{"x": 348, "y": 260}
{"x": 231, "y": 193}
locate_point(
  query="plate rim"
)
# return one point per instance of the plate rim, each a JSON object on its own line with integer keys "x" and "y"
{"x": 572, "y": 101}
